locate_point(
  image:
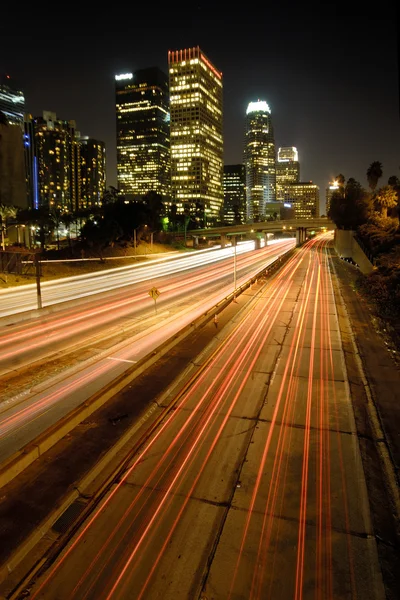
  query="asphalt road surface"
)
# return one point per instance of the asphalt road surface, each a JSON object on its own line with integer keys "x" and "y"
{"x": 51, "y": 365}
{"x": 252, "y": 487}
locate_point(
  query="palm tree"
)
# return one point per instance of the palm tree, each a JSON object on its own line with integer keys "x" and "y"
{"x": 5, "y": 213}
{"x": 386, "y": 198}
{"x": 374, "y": 173}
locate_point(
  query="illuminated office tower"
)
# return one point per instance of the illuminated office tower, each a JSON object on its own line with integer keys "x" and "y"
{"x": 287, "y": 170}
{"x": 143, "y": 152}
{"x": 333, "y": 187}
{"x": 12, "y": 101}
{"x": 55, "y": 166}
{"x": 259, "y": 160}
{"x": 234, "y": 194}
{"x": 92, "y": 172}
{"x": 196, "y": 133}
{"x": 304, "y": 199}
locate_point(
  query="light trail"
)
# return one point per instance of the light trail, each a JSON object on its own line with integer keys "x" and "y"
{"x": 167, "y": 479}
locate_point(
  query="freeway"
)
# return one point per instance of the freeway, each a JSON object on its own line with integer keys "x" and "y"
{"x": 54, "y": 292}
{"x": 49, "y": 366}
{"x": 252, "y": 485}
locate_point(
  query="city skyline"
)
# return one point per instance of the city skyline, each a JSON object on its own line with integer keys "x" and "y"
{"x": 336, "y": 102}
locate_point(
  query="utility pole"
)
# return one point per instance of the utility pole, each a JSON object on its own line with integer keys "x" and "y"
{"x": 37, "y": 269}
{"x": 234, "y": 241}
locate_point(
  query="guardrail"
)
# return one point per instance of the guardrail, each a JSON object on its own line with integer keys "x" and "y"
{"x": 21, "y": 459}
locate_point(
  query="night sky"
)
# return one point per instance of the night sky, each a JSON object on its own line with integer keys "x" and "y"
{"x": 330, "y": 75}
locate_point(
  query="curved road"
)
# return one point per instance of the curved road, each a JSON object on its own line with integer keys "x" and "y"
{"x": 91, "y": 344}
{"x": 252, "y": 487}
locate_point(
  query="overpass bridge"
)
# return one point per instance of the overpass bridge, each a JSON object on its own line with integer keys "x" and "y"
{"x": 256, "y": 231}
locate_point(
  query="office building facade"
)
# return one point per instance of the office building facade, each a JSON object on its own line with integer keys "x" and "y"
{"x": 196, "y": 89}
{"x": 287, "y": 170}
{"x": 12, "y": 101}
{"x": 143, "y": 146}
{"x": 259, "y": 161}
{"x": 332, "y": 187}
{"x": 64, "y": 171}
{"x": 303, "y": 197}
{"x": 92, "y": 172}
{"x": 234, "y": 194}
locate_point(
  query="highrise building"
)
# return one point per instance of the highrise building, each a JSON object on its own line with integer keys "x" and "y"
{"x": 55, "y": 154}
{"x": 303, "y": 197}
{"x": 259, "y": 160}
{"x": 332, "y": 187}
{"x": 12, "y": 101}
{"x": 196, "y": 133}
{"x": 143, "y": 152}
{"x": 92, "y": 172}
{"x": 287, "y": 170}
{"x": 12, "y": 166}
{"x": 234, "y": 194}
{"x": 64, "y": 171}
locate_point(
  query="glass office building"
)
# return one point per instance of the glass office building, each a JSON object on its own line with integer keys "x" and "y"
{"x": 259, "y": 161}
{"x": 196, "y": 134}
{"x": 143, "y": 147}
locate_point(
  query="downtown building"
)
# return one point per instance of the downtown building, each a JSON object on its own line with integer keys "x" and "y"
{"x": 287, "y": 170}
{"x": 92, "y": 172}
{"x": 64, "y": 171}
{"x": 12, "y": 156}
{"x": 143, "y": 128}
{"x": 330, "y": 190}
{"x": 12, "y": 101}
{"x": 234, "y": 194}
{"x": 259, "y": 161}
{"x": 303, "y": 199}
{"x": 195, "y": 86}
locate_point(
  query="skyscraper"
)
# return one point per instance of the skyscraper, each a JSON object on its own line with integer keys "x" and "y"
{"x": 196, "y": 133}
{"x": 92, "y": 172}
{"x": 234, "y": 194}
{"x": 143, "y": 152}
{"x": 304, "y": 199}
{"x": 332, "y": 187}
{"x": 259, "y": 160}
{"x": 287, "y": 170}
{"x": 12, "y": 101}
{"x": 55, "y": 162}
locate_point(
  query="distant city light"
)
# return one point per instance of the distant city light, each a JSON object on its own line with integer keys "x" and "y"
{"x": 123, "y": 76}
{"x": 287, "y": 205}
{"x": 256, "y": 106}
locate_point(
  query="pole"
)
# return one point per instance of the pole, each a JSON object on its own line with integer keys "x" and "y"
{"x": 234, "y": 265}
{"x": 134, "y": 240}
{"x": 38, "y": 291}
{"x": 151, "y": 241}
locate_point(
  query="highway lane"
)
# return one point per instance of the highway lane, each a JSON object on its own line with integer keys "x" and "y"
{"x": 108, "y": 337}
{"x": 252, "y": 486}
{"x": 53, "y": 292}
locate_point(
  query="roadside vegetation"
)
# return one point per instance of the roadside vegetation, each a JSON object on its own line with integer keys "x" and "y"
{"x": 374, "y": 216}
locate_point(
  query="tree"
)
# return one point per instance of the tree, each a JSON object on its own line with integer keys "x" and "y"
{"x": 56, "y": 218}
{"x": 374, "y": 173}
{"x": 68, "y": 219}
{"x": 350, "y": 208}
{"x": 155, "y": 209}
{"x": 340, "y": 180}
{"x": 6, "y": 212}
{"x": 110, "y": 195}
{"x": 386, "y": 198}
{"x": 99, "y": 235}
